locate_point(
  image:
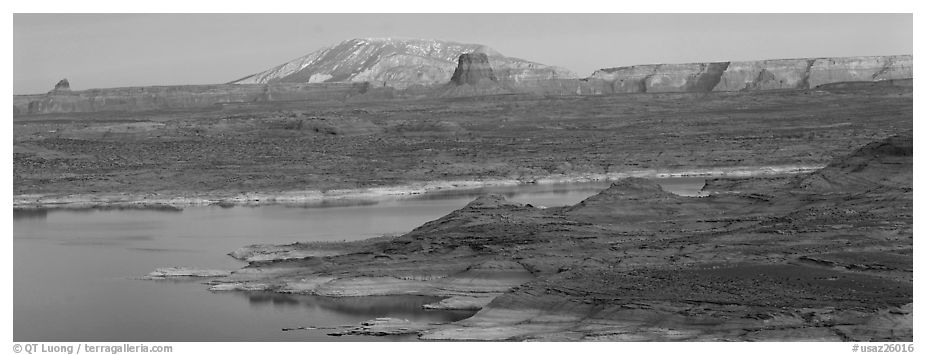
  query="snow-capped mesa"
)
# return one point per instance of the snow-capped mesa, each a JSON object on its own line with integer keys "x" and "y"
{"x": 397, "y": 63}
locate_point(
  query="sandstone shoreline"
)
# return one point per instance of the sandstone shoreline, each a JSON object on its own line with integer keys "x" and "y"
{"x": 300, "y": 198}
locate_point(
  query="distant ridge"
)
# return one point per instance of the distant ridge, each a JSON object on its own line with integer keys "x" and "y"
{"x": 387, "y": 68}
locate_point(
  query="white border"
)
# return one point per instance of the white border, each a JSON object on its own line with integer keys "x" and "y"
{"x": 475, "y": 6}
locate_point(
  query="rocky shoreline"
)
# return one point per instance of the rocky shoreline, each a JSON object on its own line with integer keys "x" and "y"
{"x": 819, "y": 256}
{"x": 177, "y": 201}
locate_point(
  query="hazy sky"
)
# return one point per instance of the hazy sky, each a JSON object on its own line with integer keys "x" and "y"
{"x": 112, "y": 50}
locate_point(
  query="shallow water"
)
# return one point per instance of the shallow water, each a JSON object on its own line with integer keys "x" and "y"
{"x": 75, "y": 271}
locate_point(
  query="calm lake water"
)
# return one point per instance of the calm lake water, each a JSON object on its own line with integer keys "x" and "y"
{"x": 76, "y": 271}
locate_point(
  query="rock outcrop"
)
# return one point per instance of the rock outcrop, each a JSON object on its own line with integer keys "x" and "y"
{"x": 62, "y": 85}
{"x": 471, "y": 68}
{"x": 397, "y": 63}
{"x": 882, "y": 164}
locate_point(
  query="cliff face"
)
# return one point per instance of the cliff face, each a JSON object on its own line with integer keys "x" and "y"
{"x": 662, "y": 77}
{"x": 397, "y": 63}
{"x": 754, "y": 75}
{"x": 831, "y": 70}
{"x": 765, "y": 75}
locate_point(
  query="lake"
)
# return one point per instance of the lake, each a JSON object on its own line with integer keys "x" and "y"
{"x": 76, "y": 272}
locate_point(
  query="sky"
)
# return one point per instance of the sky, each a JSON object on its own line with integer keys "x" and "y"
{"x": 117, "y": 50}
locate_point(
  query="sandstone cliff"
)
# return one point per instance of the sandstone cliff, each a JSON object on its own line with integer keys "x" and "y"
{"x": 472, "y": 68}
{"x": 396, "y": 63}
{"x": 754, "y": 75}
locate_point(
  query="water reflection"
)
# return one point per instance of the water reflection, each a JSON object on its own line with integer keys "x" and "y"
{"x": 403, "y": 307}
{"x": 163, "y": 250}
{"x": 515, "y": 191}
{"x": 313, "y": 204}
{"x": 29, "y": 213}
{"x": 42, "y": 213}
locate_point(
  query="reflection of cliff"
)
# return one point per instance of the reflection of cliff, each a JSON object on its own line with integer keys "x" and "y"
{"x": 408, "y": 307}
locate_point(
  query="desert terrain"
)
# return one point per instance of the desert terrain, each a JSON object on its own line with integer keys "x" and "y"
{"x": 804, "y": 232}
{"x": 299, "y": 151}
